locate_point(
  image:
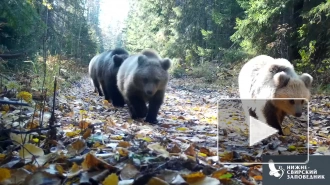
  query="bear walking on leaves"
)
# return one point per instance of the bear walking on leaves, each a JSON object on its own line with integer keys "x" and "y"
{"x": 143, "y": 78}
{"x": 103, "y": 69}
{"x": 263, "y": 78}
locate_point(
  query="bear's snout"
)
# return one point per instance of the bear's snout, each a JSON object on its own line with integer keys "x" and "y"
{"x": 149, "y": 92}
{"x": 298, "y": 114}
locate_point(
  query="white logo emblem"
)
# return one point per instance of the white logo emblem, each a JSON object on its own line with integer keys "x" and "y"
{"x": 275, "y": 172}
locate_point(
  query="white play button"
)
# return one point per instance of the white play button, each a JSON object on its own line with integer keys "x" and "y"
{"x": 259, "y": 131}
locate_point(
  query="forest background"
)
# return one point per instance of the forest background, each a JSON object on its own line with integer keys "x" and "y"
{"x": 204, "y": 38}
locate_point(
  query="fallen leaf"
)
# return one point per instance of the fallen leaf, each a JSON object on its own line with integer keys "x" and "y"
{"x": 4, "y": 174}
{"x": 87, "y": 133}
{"x": 193, "y": 177}
{"x": 190, "y": 151}
{"x": 286, "y": 131}
{"x": 124, "y": 144}
{"x": 156, "y": 181}
{"x": 112, "y": 179}
{"x": 128, "y": 172}
{"x": 258, "y": 178}
{"x": 29, "y": 150}
{"x": 219, "y": 173}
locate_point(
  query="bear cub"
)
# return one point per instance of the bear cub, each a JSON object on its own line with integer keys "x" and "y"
{"x": 264, "y": 77}
{"x": 103, "y": 70}
{"x": 143, "y": 78}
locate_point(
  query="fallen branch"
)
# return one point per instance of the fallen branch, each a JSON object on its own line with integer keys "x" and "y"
{"x": 8, "y": 102}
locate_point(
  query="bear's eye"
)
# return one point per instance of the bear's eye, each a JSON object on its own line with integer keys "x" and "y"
{"x": 145, "y": 80}
{"x": 291, "y": 102}
{"x": 302, "y": 101}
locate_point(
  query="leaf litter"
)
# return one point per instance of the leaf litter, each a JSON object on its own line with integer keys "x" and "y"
{"x": 99, "y": 144}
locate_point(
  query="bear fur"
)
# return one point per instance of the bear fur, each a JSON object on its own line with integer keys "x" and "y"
{"x": 103, "y": 70}
{"x": 92, "y": 74}
{"x": 143, "y": 78}
{"x": 264, "y": 77}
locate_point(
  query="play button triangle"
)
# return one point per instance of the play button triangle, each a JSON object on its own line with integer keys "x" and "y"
{"x": 259, "y": 131}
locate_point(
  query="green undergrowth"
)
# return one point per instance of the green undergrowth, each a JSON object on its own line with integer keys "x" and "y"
{"x": 31, "y": 77}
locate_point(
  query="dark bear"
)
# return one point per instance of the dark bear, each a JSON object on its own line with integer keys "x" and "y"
{"x": 143, "y": 78}
{"x": 103, "y": 70}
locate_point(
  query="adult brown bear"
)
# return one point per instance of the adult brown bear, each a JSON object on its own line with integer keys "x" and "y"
{"x": 143, "y": 78}
{"x": 264, "y": 78}
{"x": 103, "y": 70}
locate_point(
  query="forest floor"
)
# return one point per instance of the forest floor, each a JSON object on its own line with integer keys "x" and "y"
{"x": 101, "y": 143}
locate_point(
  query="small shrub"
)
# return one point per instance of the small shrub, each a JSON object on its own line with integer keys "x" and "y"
{"x": 207, "y": 71}
{"x": 177, "y": 70}
{"x": 234, "y": 55}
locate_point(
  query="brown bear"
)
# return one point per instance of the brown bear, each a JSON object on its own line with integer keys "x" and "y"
{"x": 143, "y": 78}
{"x": 103, "y": 70}
{"x": 263, "y": 78}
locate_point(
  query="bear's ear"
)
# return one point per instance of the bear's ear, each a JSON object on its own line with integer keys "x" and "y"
{"x": 307, "y": 79}
{"x": 142, "y": 59}
{"x": 118, "y": 60}
{"x": 165, "y": 63}
{"x": 281, "y": 79}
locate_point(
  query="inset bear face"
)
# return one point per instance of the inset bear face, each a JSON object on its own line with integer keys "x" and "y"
{"x": 290, "y": 88}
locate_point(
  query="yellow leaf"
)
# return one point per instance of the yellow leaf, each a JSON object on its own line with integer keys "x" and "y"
{"x": 74, "y": 168}
{"x": 286, "y": 131}
{"x": 122, "y": 151}
{"x": 26, "y": 96}
{"x": 219, "y": 173}
{"x": 148, "y": 139}
{"x": 196, "y": 108}
{"x": 105, "y": 102}
{"x": 193, "y": 177}
{"x": 182, "y": 129}
{"x": 116, "y": 137}
{"x": 291, "y": 148}
{"x": 313, "y": 142}
{"x": 35, "y": 140}
{"x": 235, "y": 118}
{"x": 313, "y": 109}
{"x": 4, "y": 174}
{"x": 228, "y": 122}
{"x": 202, "y": 154}
{"x": 258, "y": 178}
{"x": 112, "y": 179}
{"x": 96, "y": 144}
{"x": 73, "y": 134}
{"x": 2, "y": 156}
{"x": 59, "y": 168}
